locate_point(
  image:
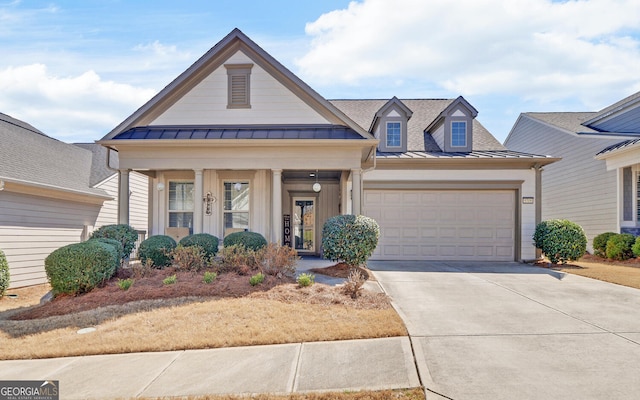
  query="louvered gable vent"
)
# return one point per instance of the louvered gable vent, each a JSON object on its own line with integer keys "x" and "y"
{"x": 239, "y": 85}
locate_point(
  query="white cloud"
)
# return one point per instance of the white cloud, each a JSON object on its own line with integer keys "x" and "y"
{"x": 72, "y": 108}
{"x": 538, "y": 50}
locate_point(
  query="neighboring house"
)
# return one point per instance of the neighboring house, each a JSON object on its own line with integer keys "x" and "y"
{"x": 596, "y": 182}
{"x": 51, "y": 194}
{"x": 238, "y": 142}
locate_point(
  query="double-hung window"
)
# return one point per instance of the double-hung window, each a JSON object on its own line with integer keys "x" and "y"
{"x": 459, "y": 134}
{"x": 236, "y": 206}
{"x": 393, "y": 134}
{"x": 181, "y": 205}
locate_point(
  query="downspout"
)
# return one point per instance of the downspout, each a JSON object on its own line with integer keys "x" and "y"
{"x": 109, "y": 167}
{"x": 372, "y": 153}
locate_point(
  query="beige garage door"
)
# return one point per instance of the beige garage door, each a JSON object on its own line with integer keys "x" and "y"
{"x": 443, "y": 224}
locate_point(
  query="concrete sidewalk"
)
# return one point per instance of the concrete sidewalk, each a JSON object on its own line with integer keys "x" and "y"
{"x": 371, "y": 364}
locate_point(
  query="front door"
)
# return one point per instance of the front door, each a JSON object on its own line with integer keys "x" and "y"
{"x": 304, "y": 224}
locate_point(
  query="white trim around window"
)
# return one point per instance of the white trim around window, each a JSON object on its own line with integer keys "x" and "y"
{"x": 180, "y": 204}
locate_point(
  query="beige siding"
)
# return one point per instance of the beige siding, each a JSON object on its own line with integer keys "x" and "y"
{"x": 271, "y": 102}
{"x": 138, "y": 202}
{"x": 32, "y": 227}
{"x": 577, "y": 188}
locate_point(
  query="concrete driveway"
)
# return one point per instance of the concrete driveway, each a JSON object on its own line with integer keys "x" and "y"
{"x": 513, "y": 331}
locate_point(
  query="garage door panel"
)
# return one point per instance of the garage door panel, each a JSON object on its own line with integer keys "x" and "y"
{"x": 442, "y": 225}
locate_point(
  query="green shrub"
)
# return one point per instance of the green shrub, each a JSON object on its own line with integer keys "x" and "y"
{"x": 257, "y": 279}
{"x": 158, "y": 249}
{"x": 208, "y": 243}
{"x": 350, "y": 238}
{"x": 191, "y": 258}
{"x": 125, "y": 284}
{"x": 600, "y": 243}
{"x": 209, "y": 277}
{"x": 170, "y": 280}
{"x": 79, "y": 267}
{"x": 305, "y": 279}
{"x": 4, "y": 274}
{"x": 250, "y": 240}
{"x": 636, "y": 247}
{"x": 560, "y": 240}
{"x": 619, "y": 247}
{"x": 116, "y": 245}
{"x": 123, "y": 233}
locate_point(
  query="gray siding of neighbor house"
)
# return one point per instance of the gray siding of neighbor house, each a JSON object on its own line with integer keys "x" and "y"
{"x": 578, "y": 187}
{"x": 31, "y": 227}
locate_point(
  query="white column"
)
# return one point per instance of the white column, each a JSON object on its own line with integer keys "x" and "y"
{"x": 123, "y": 196}
{"x": 356, "y": 190}
{"x": 276, "y": 207}
{"x": 197, "y": 201}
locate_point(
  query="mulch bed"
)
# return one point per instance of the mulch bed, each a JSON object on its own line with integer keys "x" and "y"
{"x": 340, "y": 270}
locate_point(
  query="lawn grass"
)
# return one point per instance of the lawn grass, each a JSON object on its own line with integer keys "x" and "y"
{"x": 609, "y": 272}
{"x": 189, "y": 323}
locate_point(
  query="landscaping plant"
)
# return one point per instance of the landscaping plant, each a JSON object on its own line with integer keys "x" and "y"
{"x": 237, "y": 258}
{"x": 353, "y": 285}
{"x": 560, "y": 240}
{"x": 123, "y": 233}
{"x": 619, "y": 246}
{"x": 277, "y": 260}
{"x": 636, "y": 247}
{"x": 170, "y": 280}
{"x": 4, "y": 274}
{"x": 79, "y": 267}
{"x": 191, "y": 258}
{"x": 350, "y": 238}
{"x": 208, "y": 243}
{"x": 305, "y": 279}
{"x": 117, "y": 245}
{"x": 257, "y": 279}
{"x": 125, "y": 284}
{"x": 250, "y": 240}
{"x": 600, "y": 243}
{"x": 158, "y": 249}
{"x": 209, "y": 277}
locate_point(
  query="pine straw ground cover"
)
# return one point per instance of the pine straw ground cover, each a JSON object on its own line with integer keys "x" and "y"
{"x": 626, "y": 273}
{"x": 190, "y": 314}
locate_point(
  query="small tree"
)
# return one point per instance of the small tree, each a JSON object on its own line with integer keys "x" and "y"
{"x": 350, "y": 238}
{"x": 560, "y": 240}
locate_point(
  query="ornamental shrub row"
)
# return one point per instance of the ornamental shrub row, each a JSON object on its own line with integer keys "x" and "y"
{"x": 616, "y": 246}
{"x": 123, "y": 233}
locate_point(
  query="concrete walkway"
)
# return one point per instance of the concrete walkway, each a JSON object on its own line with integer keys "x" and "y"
{"x": 513, "y": 331}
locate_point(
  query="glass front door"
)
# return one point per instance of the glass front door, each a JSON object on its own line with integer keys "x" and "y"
{"x": 304, "y": 224}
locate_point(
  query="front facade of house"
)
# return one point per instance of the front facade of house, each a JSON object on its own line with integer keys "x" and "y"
{"x": 596, "y": 182}
{"x": 237, "y": 142}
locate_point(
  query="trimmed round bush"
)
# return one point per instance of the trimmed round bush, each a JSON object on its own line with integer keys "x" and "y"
{"x": 250, "y": 240}
{"x": 79, "y": 267}
{"x": 600, "y": 243}
{"x": 205, "y": 241}
{"x": 350, "y": 238}
{"x": 157, "y": 249}
{"x": 123, "y": 233}
{"x": 636, "y": 247}
{"x": 619, "y": 246}
{"x": 116, "y": 245}
{"x": 560, "y": 240}
{"x": 4, "y": 274}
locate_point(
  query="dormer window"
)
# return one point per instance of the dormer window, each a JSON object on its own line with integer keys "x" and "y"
{"x": 394, "y": 134}
{"x": 238, "y": 85}
{"x": 458, "y": 134}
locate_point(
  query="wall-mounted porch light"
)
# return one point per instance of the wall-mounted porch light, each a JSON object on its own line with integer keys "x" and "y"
{"x": 316, "y": 186}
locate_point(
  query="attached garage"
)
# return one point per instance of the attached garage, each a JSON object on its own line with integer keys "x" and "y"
{"x": 444, "y": 224}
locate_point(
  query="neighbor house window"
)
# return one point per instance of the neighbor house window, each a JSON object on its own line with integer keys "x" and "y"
{"x": 238, "y": 85}
{"x": 459, "y": 134}
{"x": 393, "y": 134}
{"x": 181, "y": 205}
{"x": 236, "y": 207}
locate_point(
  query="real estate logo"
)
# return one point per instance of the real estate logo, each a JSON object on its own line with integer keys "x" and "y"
{"x": 29, "y": 390}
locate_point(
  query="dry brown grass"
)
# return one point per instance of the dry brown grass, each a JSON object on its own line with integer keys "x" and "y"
{"x": 285, "y": 314}
{"x": 625, "y": 275}
{"x": 402, "y": 394}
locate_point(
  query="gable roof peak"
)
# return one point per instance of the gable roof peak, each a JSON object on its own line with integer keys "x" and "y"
{"x": 460, "y": 100}
{"x": 397, "y": 102}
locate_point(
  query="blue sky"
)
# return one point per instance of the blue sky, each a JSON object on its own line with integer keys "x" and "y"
{"x": 75, "y": 69}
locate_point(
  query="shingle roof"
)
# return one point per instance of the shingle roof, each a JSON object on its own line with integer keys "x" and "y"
{"x": 99, "y": 170}
{"x": 29, "y": 156}
{"x": 425, "y": 111}
{"x": 240, "y": 132}
{"x": 570, "y": 121}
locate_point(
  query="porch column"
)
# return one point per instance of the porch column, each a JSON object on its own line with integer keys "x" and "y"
{"x": 276, "y": 206}
{"x": 356, "y": 190}
{"x": 197, "y": 201}
{"x": 123, "y": 196}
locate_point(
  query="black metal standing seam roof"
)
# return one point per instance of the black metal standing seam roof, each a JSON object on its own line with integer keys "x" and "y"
{"x": 485, "y": 154}
{"x": 618, "y": 146}
{"x": 239, "y": 132}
